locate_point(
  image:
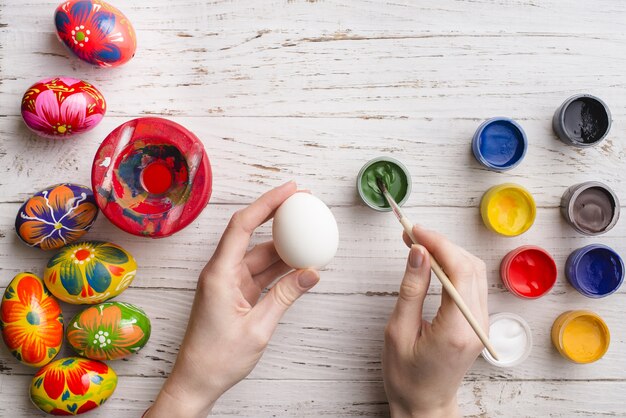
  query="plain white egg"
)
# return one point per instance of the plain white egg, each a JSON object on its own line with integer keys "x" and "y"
{"x": 305, "y": 232}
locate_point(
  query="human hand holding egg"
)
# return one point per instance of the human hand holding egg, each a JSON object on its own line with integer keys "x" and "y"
{"x": 229, "y": 327}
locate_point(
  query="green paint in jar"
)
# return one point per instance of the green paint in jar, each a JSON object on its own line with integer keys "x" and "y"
{"x": 394, "y": 175}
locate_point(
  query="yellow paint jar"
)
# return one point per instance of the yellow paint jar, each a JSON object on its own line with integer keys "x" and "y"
{"x": 580, "y": 336}
{"x": 508, "y": 209}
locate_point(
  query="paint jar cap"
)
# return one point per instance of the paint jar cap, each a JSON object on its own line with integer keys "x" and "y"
{"x": 361, "y": 183}
{"x": 528, "y": 272}
{"x": 151, "y": 177}
{"x": 511, "y": 337}
{"x": 499, "y": 144}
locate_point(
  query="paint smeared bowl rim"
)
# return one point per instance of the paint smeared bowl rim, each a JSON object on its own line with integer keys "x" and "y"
{"x": 529, "y": 340}
{"x": 159, "y": 130}
{"x": 392, "y": 160}
{"x": 477, "y": 139}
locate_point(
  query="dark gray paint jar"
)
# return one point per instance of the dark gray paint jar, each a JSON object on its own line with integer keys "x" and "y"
{"x": 591, "y": 208}
{"x": 582, "y": 120}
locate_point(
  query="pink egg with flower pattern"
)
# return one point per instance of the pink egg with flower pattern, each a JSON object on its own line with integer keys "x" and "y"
{"x": 61, "y": 107}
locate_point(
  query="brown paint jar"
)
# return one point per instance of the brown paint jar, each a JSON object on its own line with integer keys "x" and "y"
{"x": 591, "y": 208}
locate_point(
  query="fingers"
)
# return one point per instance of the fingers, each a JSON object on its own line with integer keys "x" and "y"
{"x": 406, "y": 318}
{"x": 234, "y": 241}
{"x": 261, "y": 257}
{"x": 280, "y": 297}
{"x": 273, "y": 272}
{"x": 453, "y": 259}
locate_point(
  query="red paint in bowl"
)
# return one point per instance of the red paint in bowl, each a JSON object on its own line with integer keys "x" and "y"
{"x": 528, "y": 271}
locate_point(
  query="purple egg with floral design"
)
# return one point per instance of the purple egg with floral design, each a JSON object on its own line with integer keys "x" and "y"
{"x": 95, "y": 32}
{"x": 61, "y": 107}
{"x": 56, "y": 216}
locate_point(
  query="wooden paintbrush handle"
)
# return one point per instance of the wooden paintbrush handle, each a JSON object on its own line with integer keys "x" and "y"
{"x": 454, "y": 294}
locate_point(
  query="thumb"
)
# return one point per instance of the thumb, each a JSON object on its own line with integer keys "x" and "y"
{"x": 281, "y": 296}
{"x": 407, "y": 315}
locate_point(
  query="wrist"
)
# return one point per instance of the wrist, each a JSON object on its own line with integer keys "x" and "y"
{"x": 174, "y": 401}
{"x": 444, "y": 410}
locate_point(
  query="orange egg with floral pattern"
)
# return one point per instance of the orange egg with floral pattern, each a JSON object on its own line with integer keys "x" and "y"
{"x": 72, "y": 386}
{"x": 31, "y": 321}
{"x": 109, "y": 331}
{"x": 89, "y": 272}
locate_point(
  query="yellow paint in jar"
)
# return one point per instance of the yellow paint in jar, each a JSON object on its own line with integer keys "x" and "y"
{"x": 580, "y": 336}
{"x": 508, "y": 209}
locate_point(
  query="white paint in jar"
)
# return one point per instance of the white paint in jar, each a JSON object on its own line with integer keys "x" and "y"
{"x": 511, "y": 337}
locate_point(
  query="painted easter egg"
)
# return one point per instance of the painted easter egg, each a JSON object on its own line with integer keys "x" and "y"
{"x": 61, "y": 107}
{"x": 89, "y": 272}
{"x": 31, "y": 321}
{"x": 56, "y": 216}
{"x": 95, "y": 32}
{"x": 72, "y": 386}
{"x": 109, "y": 331}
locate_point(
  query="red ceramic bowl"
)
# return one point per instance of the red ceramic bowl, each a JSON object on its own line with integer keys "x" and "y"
{"x": 528, "y": 272}
{"x": 151, "y": 177}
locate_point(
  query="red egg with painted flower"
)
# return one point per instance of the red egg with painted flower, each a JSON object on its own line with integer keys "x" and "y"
{"x": 96, "y": 32}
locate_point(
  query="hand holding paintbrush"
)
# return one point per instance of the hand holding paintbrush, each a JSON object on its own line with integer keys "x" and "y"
{"x": 439, "y": 272}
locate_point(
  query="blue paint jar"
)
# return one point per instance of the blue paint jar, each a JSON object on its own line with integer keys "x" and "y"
{"x": 499, "y": 144}
{"x": 595, "y": 270}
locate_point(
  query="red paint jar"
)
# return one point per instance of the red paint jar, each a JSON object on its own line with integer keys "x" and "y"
{"x": 528, "y": 271}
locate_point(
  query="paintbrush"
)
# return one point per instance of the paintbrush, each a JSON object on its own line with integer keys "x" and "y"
{"x": 436, "y": 268}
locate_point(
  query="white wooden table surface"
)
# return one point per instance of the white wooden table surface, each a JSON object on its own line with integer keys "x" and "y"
{"x": 310, "y": 90}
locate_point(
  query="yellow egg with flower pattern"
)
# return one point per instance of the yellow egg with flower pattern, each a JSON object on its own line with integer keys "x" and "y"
{"x": 89, "y": 272}
{"x": 72, "y": 386}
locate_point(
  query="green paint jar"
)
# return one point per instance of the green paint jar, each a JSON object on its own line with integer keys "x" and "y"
{"x": 396, "y": 178}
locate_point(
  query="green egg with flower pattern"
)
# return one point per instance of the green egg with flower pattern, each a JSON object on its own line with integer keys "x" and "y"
{"x": 109, "y": 331}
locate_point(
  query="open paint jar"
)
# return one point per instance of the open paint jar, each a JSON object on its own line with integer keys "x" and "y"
{"x": 511, "y": 338}
{"x": 582, "y": 120}
{"x": 595, "y": 270}
{"x": 528, "y": 272}
{"x": 508, "y": 209}
{"x": 499, "y": 144}
{"x": 591, "y": 208}
{"x": 151, "y": 177}
{"x": 580, "y": 336}
{"x": 395, "y": 176}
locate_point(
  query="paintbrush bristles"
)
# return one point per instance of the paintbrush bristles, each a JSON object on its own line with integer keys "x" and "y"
{"x": 392, "y": 202}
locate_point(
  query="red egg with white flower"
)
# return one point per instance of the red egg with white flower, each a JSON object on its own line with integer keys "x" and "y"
{"x": 61, "y": 107}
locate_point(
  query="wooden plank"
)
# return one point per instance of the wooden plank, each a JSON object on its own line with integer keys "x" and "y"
{"x": 262, "y": 398}
{"x": 371, "y": 256}
{"x": 250, "y": 155}
{"x": 343, "y": 73}
{"x": 339, "y": 337}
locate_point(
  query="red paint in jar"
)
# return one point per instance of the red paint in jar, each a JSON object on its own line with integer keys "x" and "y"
{"x": 528, "y": 271}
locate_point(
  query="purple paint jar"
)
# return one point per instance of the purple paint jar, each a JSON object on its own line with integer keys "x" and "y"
{"x": 595, "y": 270}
